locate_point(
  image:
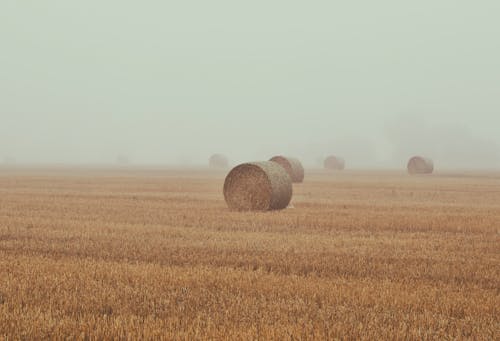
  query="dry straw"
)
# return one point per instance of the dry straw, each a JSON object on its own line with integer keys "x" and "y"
{"x": 292, "y": 166}
{"x": 420, "y": 165}
{"x": 258, "y": 186}
{"x": 334, "y": 163}
{"x": 218, "y": 161}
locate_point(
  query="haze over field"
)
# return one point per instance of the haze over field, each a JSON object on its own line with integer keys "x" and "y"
{"x": 174, "y": 82}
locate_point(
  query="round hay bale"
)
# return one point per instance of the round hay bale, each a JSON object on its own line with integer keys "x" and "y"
{"x": 218, "y": 161}
{"x": 258, "y": 186}
{"x": 420, "y": 165}
{"x": 292, "y": 166}
{"x": 334, "y": 163}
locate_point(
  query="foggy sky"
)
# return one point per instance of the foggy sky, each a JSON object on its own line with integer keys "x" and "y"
{"x": 174, "y": 81}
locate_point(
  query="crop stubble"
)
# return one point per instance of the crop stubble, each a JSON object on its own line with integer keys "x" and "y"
{"x": 156, "y": 253}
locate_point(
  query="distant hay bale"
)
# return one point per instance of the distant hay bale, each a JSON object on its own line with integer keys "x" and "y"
{"x": 258, "y": 186}
{"x": 420, "y": 165}
{"x": 334, "y": 163}
{"x": 292, "y": 166}
{"x": 218, "y": 161}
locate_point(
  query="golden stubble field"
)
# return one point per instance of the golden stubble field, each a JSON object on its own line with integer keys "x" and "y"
{"x": 138, "y": 253}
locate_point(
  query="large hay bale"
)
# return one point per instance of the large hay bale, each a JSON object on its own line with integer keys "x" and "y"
{"x": 292, "y": 166}
{"x": 218, "y": 161}
{"x": 334, "y": 163}
{"x": 258, "y": 186}
{"x": 420, "y": 165}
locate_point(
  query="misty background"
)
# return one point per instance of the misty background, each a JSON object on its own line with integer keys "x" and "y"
{"x": 171, "y": 82}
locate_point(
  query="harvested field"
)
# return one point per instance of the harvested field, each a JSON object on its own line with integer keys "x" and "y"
{"x": 138, "y": 253}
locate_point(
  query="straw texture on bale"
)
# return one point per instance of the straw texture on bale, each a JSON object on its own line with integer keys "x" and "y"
{"x": 258, "y": 186}
{"x": 218, "y": 161}
{"x": 292, "y": 166}
{"x": 420, "y": 165}
{"x": 334, "y": 163}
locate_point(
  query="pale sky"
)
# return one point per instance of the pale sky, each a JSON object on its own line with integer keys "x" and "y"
{"x": 170, "y": 82}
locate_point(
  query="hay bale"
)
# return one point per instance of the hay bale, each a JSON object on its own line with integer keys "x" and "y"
{"x": 420, "y": 165}
{"x": 334, "y": 163}
{"x": 258, "y": 186}
{"x": 218, "y": 161}
{"x": 292, "y": 166}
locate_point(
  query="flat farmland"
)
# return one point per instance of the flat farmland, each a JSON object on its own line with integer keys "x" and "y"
{"x": 155, "y": 254}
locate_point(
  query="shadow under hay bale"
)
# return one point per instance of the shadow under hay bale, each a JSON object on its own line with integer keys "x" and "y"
{"x": 334, "y": 163}
{"x": 258, "y": 186}
{"x": 292, "y": 166}
{"x": 218, "y": 161}
{"x": 420, "y": 165}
